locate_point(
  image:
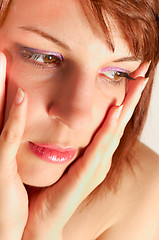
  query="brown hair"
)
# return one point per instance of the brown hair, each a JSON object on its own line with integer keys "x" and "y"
{"x": 137, "y": 21}
{"x": 139, "y": 24}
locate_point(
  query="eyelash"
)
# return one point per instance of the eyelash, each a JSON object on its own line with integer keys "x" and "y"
{"x": 32, "y": 57}
{"x": 118, "y": 73}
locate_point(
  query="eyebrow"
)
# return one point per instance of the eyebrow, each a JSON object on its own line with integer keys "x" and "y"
{"x": 65, "y": 46}
{"x": 46, "y": 35}
{"x": 127, "y": 59}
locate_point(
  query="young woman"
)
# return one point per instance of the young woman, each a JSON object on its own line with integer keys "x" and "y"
{"x": 75, "y": 85}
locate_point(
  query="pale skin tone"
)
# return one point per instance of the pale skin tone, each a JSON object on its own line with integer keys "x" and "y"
{"x": 79, "y": 111}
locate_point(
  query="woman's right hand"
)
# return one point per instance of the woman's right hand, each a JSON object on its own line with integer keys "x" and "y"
{"x": 13, "y": 195}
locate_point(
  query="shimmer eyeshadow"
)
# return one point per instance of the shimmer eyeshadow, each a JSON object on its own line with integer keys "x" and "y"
{"x": 39, "y": 51}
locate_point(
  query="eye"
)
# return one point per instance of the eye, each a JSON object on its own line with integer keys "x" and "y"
{"x": 45, "y": 59}
{"x": 41, "y": 59}
{"x": 114, "y": 75}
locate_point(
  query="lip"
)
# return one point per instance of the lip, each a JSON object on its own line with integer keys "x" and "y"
{"x": 52, "y": 153}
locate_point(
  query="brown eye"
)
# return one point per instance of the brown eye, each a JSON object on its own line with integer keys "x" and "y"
{"x": 50, "y": 59}
{"x": 118, "y": 75}
{"x": 113, "y": 75}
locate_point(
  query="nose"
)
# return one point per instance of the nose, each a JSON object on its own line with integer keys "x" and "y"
{"x": 73, "y": 103}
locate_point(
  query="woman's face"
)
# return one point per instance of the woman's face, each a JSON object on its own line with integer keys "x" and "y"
{"x": 54, "y": 55}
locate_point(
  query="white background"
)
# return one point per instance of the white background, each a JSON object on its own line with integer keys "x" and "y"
{"x": 150, "y": 135}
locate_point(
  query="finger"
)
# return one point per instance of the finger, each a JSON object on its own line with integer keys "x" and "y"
{"x": 56, "y": 204}
{"x": 12, "y": 133}
{"x": 73, "y": 186}
{"x": 2, "y": 86}
{"x": 131, "y": 100}
{"x": 120, "y": 115}
{"x": 107, "y": 130}
{"x": 115, "y": 123}
{"x": 108, "y": 137}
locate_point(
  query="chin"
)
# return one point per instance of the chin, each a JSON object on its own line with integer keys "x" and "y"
{"x": 38, "y": 182}
{"x": 37, "y": 176}
{"x": 37, "y": 173}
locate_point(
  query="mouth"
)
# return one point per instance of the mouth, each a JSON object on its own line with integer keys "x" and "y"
{"x": 52, "y": 153}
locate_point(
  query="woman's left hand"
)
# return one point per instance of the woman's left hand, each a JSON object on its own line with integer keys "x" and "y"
{"x": 51, "y": 208}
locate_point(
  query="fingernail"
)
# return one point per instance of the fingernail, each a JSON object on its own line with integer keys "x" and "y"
{"x": 19, "y": 96}
{"x": 119, "y": 111}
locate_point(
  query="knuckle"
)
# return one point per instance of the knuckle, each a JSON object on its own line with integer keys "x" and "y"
{"x": 107, "y": 138}
{"x": 113, "y": 146}
{"x": 120, "y": 134}
{"x": 9, "y": 136}
{"x": 116, "y": 143}
{"x": 103, "y": 176}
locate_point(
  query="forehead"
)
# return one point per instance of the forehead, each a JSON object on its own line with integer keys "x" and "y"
{"x": 47, "y": 13}
{"x": 63, "y": 18}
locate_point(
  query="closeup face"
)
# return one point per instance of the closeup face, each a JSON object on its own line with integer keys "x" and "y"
{"x": 70, "y": 77}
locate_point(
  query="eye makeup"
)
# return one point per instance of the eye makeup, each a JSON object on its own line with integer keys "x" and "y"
{"x": 114, "y": 75}
{"x": 40, "y": 58}
{"x": 49, "y": 60}
{"x": 118, "y": 71}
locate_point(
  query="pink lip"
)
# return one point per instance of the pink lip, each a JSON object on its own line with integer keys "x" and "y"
{"x": 52, "y": 153}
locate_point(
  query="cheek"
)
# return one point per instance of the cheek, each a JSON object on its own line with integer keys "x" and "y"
{"x": 114, "y": 93}
{"x": 111, "y": 96}
{"x": 120, "y": 94}
{"x": 16, "y": 79}
{"x": 39, "y": 94}
{"x": 102, "y": 104}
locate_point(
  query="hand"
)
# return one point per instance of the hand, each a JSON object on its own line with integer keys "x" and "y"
{"x": 51, "y": 208}
{"x": 13, "y": 196}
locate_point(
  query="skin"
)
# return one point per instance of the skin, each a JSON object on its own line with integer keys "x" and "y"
{"x": 61, "y": 115}
{"x": 69, "y": 112}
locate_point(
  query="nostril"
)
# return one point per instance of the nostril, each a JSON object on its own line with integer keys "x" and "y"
{"x": 74, "y": 118}
{"x": 78, "y": 121}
